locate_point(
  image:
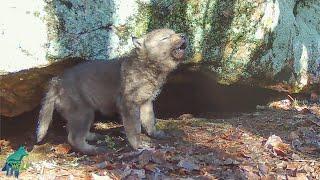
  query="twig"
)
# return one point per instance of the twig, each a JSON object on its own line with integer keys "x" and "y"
{"x": 290, "y": 97}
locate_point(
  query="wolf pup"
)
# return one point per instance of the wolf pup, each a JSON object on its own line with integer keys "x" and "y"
{"x": 125, "y": 85}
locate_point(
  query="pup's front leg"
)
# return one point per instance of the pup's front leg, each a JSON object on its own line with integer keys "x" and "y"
{"x": 132, "y": 125}
{"x": 148, "y": 120}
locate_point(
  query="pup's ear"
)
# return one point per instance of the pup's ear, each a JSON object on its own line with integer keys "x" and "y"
{"x": 137, "y": 42}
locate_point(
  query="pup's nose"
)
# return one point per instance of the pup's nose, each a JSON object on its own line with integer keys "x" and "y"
{"x": 183, "y": 36}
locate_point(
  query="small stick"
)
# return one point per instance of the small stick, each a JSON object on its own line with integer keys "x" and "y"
{"x": 290, "y": 97}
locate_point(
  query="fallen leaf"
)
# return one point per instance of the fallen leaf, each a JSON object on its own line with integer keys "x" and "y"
{"x": 62, "y": 149}
{"x": 159, "y": 157}
{"x": 315, "y": 109}
{"x": 314, "y": 97}
{"x": 151, "y": 167}
{"x": 282, "y": 165}
{"x": 291, "y": 170}
{"x": 248, "y": 172}
{"x": 243, "y": 154}
{"x": 303, "y": 110}
{"x": 299, "y": 176}
{"x": 268, "y": 177}
{"x": 283, "y": 104}
{"x": 207, "y": 169}
{"x": 277, "y": 146}
{"x": 295, "y": 156}
{"x": 4, "y": 143}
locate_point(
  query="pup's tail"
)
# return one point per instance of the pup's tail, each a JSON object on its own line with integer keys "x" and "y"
{"x": 46, "y": 112}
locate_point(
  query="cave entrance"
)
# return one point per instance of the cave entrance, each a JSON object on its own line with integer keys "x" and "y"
{"x": 188, "y": 91}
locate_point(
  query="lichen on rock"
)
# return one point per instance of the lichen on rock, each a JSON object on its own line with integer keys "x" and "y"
{"x": 293, "y": 38}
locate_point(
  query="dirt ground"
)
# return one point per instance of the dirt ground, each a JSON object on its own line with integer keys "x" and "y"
{"x": 279, "y": 141}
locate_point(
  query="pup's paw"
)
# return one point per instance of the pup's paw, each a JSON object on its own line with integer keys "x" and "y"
{"x": 134, "y": 141}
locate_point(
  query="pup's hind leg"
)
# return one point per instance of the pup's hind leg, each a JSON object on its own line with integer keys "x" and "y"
{"x": 79, "y": 123}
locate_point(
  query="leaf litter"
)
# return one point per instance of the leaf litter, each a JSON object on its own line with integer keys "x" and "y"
{"x": 279, "y": 141}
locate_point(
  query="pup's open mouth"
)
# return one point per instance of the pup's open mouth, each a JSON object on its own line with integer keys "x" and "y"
{"x": 179, "y": 51}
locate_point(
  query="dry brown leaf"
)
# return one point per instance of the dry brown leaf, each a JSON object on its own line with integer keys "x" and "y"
{"x": 159, "y": 157}
{"x": 4, "y": 143}
{"x": 150, "y": 167}
{"x": 283, "y": 104}
{"x": 268, "y": 177}
{"x": 303, "y": 110}
{"x": 314, "y": 97}
{"x": 292, "y": 170}
{"x": 243, "y": 154}
{"x": 249, "y": 173}
{"x": 299, "y": 176}
{"x": 62, "y": 149}
{"x": 277, "y": 146}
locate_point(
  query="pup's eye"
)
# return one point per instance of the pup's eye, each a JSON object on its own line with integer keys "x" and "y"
{"x": 164, "y": 38}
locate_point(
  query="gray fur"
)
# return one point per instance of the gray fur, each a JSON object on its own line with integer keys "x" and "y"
{"x": 45, "y": 114}
{"x": 127, "y": 85}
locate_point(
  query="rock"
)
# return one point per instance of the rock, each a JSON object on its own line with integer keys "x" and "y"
{"x": 249, "y": 40}
{"x": 188, "y": 165}
{"x": 22, "y": 91}
{"x": 272, "y": 44}
{"x": 23, "y": 36}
